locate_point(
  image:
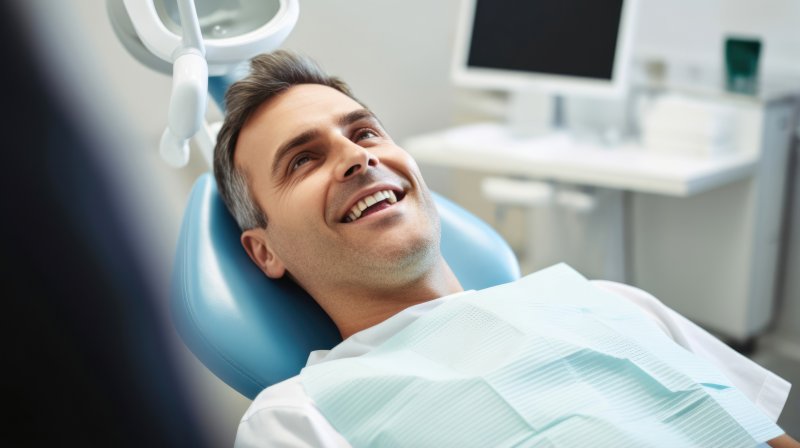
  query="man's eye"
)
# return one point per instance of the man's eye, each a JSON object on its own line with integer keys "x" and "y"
{"x": 365, "y": 133}
{"x": 300, "y": 161}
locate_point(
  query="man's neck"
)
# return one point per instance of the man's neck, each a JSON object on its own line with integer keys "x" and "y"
{"x": 353, "y": 311}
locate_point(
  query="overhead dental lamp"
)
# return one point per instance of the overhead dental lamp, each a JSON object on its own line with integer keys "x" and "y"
{"x": 195, "y": 39}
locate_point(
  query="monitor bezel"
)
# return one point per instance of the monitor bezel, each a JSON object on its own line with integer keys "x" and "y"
{"x": 511, "y": 80}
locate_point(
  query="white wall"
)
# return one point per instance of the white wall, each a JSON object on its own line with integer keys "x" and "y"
{"x": 395, "y": 55}
{"x": 690, "y": 33}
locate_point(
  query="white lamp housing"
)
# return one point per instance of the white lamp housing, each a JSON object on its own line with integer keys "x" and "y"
{"x": 227, "y": 33}
{"x": 223, "y": 51}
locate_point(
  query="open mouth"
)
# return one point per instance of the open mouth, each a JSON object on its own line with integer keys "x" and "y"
{"x": 372, "y": 203}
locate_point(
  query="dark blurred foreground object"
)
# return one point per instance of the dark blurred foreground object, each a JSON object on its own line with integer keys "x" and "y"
{"x": 741, "y": 64}
{"x": 85, "y": 362}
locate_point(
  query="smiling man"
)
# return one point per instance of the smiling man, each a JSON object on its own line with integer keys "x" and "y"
{"x": 324, "y": 195}
{"x": 336, "y": 203}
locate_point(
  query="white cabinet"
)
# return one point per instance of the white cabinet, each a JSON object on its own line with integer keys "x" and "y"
{"x": 714, "y": 256}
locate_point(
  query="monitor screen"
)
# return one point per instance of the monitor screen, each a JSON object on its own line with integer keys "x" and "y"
{"x": 557, "y": 45}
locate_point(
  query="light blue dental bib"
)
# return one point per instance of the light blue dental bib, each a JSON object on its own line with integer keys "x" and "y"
{"x": 546, "y": 361}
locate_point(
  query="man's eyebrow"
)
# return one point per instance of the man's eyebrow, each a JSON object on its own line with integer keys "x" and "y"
{"x": 307, "y": 136}
{"x": 356, "y": 115}
{"x": 285, "y": 148}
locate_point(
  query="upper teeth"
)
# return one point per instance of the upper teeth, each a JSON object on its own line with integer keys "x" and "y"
{"x": 369, "y": 201}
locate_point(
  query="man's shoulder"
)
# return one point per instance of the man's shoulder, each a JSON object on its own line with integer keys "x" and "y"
{"x": 288, "y": 394}
{"x": 637, "y": 296}
{"x": 284, "y": 415}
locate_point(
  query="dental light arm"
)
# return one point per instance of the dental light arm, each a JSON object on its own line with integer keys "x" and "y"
{"x": 187, "y": 105}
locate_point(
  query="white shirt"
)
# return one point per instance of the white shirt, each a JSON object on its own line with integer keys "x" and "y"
{"x": 283, "y": 415}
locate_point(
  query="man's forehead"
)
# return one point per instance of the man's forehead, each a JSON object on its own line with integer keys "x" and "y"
{"x": 301, "y": 106}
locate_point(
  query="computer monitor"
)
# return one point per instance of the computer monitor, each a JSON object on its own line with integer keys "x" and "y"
{"x": 563, "y": 47}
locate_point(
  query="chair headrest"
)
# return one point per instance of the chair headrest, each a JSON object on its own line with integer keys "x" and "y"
{"x": 252, "y": 331}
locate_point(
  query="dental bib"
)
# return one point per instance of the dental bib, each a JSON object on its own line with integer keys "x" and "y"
{"x": 546, "y": 361}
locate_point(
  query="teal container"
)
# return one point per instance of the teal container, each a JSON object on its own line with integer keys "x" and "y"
{"x": 741, "y": 64}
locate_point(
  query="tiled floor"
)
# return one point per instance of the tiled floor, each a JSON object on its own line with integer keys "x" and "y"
{"x": 783, "y": 359}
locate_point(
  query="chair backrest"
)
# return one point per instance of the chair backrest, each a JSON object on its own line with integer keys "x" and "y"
{"x": 252, "y": 331}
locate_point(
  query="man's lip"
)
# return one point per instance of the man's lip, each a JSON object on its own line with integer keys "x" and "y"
{"x": 366, "y": 192}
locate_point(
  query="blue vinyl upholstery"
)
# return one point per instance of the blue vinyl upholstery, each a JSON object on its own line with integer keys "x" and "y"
{"x": 252, "y": 331}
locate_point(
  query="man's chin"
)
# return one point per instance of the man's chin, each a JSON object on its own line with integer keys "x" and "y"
{"x": 406, "y": 259}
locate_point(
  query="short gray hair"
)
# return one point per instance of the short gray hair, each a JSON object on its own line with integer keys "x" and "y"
{"x": 270, "y": 75}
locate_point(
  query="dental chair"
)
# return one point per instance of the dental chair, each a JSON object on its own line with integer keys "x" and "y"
{"x": 252, "y": 331}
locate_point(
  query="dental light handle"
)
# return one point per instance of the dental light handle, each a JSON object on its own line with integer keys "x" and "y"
{"x": 187, "y": 107}
{"x": 187, "y": 104}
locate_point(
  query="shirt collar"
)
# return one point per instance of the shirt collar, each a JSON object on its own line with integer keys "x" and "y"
{"x": 365, "y": 340}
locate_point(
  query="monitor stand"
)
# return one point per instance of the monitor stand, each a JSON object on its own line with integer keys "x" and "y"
{"x": 533, "y": 112}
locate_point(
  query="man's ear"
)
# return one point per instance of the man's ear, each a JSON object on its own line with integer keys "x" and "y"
{"x": 255, "y": 243}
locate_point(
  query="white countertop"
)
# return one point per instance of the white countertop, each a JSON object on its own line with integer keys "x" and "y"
{"x": 489, "y": 147}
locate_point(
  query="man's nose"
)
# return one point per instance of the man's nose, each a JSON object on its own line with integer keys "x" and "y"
{"x": 355, "y": 160}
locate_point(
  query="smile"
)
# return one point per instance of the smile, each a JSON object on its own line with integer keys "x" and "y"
{"x": 372, "y": 203}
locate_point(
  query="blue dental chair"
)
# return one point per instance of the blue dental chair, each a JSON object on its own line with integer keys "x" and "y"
{"x": 252, "y": 331}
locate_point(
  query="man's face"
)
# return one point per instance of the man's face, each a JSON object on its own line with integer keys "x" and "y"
{"x": 314, "y": 159}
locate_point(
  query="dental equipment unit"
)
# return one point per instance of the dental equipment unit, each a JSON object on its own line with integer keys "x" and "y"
{"x": 193, "y": 40}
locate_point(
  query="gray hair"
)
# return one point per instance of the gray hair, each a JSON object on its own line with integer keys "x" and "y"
{"x": 270, "y": 75}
